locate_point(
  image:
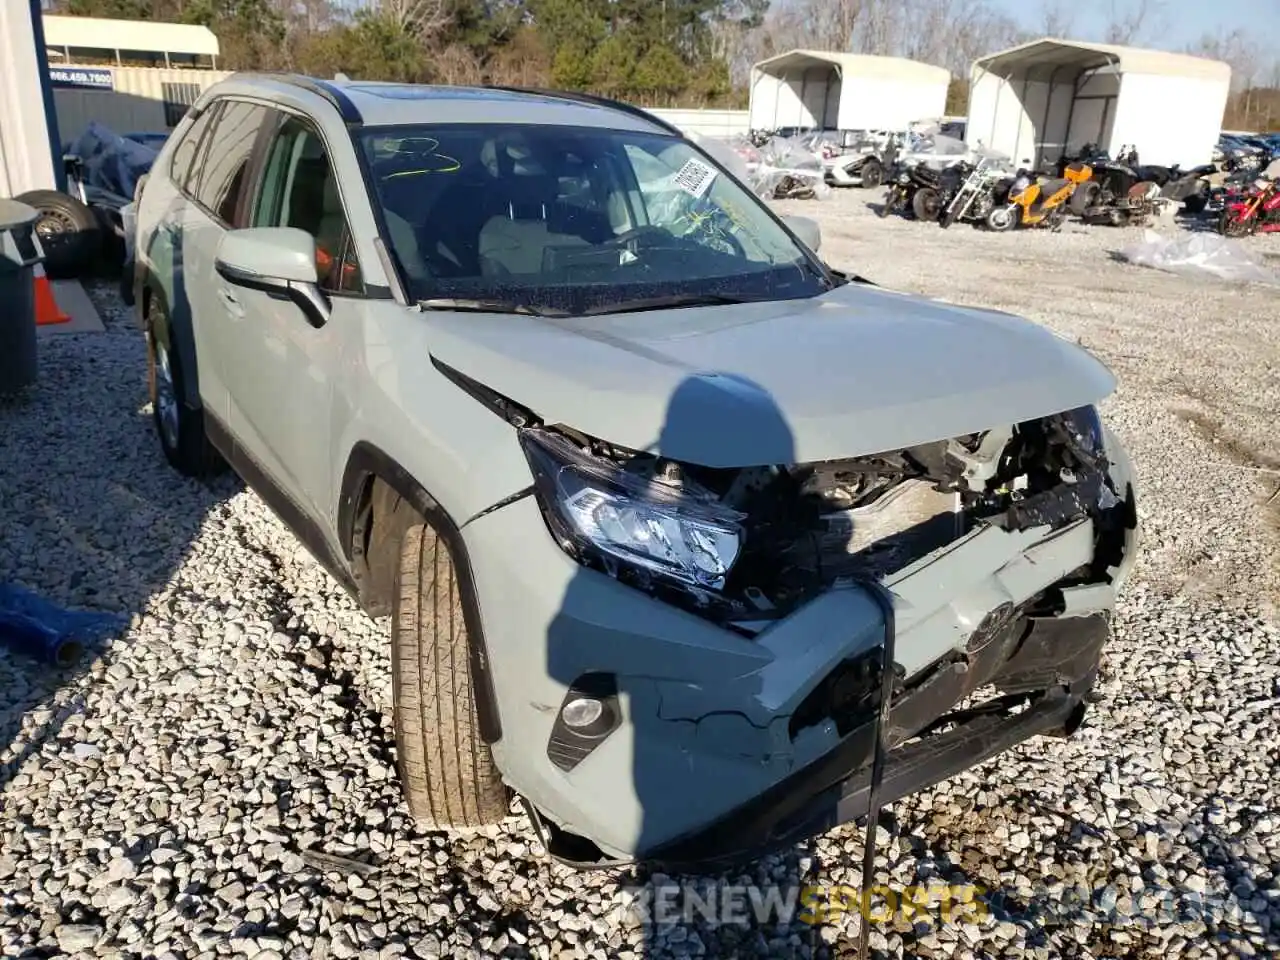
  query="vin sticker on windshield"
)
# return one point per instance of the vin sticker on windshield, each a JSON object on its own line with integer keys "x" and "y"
{"x": 695, "y": 178}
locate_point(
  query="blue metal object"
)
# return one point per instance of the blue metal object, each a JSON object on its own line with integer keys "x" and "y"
{"x": 42, "y": 630}
{"x": 46, "y": 92}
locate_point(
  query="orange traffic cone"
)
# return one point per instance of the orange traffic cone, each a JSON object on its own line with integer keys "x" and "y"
{"x": 47, "y": 310}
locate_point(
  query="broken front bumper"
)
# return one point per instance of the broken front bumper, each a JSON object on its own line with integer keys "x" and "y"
{"x": 700, "y": 760}
{"x": 1059, "y": 658}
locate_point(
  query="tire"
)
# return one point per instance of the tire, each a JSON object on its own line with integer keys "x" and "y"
{"x": 926, "y": 204}
{"x": 1230, "y": 225}
{"x": 1085, "y": 196}
{"x": 1002, "y": 218}
{"x": 446, "y": 770}
{"x": 179, "y": 428}
{"x": 872, "y": 174}
{"x": 69, "y": 232}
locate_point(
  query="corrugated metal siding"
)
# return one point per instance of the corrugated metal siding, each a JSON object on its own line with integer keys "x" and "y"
{"x": 143, "y": 100}
{"x": 708, "y": 123}
{"x": 26, "y": 161}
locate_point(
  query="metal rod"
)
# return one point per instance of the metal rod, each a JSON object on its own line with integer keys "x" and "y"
{"x": 1043, "y": 138}
{"x": 885, "y": 600}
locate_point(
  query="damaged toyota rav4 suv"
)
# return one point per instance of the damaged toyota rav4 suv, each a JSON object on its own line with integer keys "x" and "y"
{"x": 647, "y": 489}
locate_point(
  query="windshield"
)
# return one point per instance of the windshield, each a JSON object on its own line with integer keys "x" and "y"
{"x": 575, "y": 219}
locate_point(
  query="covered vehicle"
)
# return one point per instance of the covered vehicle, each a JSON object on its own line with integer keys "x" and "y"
{"x": 663, "y": 509}
{"x": 103, "y": 169}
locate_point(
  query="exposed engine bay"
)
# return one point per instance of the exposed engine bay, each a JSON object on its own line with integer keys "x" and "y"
{"x": 809, "y": 527}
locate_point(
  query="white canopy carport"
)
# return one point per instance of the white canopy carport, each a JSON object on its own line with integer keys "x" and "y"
{"x": 73, "y": 39}
{"x": 1048, "y": 97}
{"x": 814, "y": 89}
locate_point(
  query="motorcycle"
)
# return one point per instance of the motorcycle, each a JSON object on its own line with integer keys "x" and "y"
{"x": 1110, "y": 181}
{"x": 1255, "y": 211}
{"x": 931, "y": 202}
{"x": 986, "y": 186}
{"x": 906, "y": 180}
{"x": 1038, "y": 204}
{"x": 1134, "y": 209}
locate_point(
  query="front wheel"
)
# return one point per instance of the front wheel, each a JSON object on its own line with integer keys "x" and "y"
{"x": 1230, "y": 224}
{"x": 926, "y": 204}
{"x": 1084, "y": 197}
{"x": 1001, "y": 219}
{"x": 446, "y": 769}
{"x": 872, "y": 174}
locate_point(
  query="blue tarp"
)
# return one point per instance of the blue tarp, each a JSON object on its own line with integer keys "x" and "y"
{"x": 114, "y": 163}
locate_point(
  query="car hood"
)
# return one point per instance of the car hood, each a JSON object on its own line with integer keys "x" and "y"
{"x": 856, "y": 371}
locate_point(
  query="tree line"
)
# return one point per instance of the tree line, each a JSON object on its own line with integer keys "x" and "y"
{"x": 694, "y": 53}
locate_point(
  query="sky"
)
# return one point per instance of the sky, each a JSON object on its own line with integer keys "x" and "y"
{"x": 1175, "y": 23}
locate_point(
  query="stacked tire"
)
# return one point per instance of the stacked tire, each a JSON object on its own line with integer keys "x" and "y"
{"x": 69, "y": 232}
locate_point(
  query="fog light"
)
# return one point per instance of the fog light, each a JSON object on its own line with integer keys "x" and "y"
{"x": 582, "y": 712}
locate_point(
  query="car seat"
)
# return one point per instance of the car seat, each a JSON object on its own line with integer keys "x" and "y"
{"x": 515, "y": 238}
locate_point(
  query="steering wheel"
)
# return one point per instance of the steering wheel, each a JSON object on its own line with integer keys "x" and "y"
{"x": 722, "y": 241}
{"x": 716, "y": 241}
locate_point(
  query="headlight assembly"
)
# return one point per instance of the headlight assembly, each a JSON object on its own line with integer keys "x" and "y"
{"x": 600, "y": 512}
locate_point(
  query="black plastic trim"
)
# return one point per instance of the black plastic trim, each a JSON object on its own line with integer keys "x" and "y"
{"x": 835, "y": 788}
{"x": 366, "y": 462}
{"x": 307, "y": 297}
{"x": 567, "y": 747}
{"x": 323, "y": 88}
{"x": 587, "y": 98}
{"x": 294, "y": 517}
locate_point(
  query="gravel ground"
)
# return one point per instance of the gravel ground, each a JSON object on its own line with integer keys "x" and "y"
{"x": 219, "y": 779}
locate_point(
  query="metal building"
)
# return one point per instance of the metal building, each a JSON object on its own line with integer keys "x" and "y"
{"x": 1038, "y": 100}
{"x": 125, "y": 43}
{"x": 127, "y": 75}
{"x": 28, "y": 131}
{"x": 816, "y": 89}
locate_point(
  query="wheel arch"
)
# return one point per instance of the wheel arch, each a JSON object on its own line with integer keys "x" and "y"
{"x": 172, "y": 330}
{"x": 372, "y": 551}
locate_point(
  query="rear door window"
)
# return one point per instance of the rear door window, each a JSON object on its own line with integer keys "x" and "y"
{"x": 224, "y": 175}
{"x": 185, "y": 164}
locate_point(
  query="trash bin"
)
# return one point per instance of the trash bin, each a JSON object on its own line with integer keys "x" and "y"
{"x": 20, "y": 251}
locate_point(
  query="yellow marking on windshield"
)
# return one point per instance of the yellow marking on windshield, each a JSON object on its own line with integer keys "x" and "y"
{"x": 443, "y": 163}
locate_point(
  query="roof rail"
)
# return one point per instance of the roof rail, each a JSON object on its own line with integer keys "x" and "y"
{"x": 592, "y": 99}
{"x": 323, "y": 88}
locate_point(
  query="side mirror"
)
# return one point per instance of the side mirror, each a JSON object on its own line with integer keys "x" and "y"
{"x": 277, "y": 261}
{"x": 807, "y": 230}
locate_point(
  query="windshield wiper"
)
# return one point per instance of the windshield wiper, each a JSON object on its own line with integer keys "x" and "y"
{"x": 464, "y": 305}
{"x": 666, "y": 303}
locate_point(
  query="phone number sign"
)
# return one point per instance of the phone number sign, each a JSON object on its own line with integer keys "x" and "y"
{"x": 84, "y": 78}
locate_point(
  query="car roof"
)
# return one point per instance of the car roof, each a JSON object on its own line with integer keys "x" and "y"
{"x": 376, "y": 103}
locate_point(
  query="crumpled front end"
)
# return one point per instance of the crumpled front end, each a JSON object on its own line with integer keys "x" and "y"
{"x": 689, "y": 665}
